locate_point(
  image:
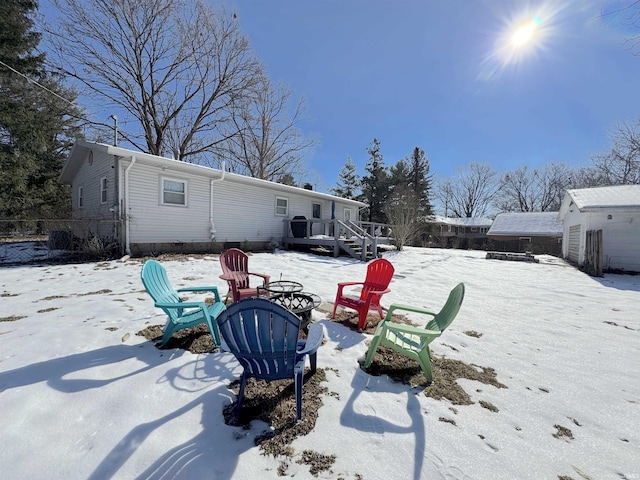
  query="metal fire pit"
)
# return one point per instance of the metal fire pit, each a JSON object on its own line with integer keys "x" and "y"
{"x": 300, "y": 303}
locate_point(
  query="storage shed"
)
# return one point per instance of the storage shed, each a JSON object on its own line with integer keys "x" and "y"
{"x": 613, "y": 211}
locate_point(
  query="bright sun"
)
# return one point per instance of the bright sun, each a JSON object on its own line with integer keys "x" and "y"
{"x": 525, "y": 34}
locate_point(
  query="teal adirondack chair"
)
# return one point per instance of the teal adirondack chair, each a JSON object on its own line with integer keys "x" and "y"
{"x": 411, "y": 341}
{"x": 263, "y": 336}
{"x": 181, "y": 314}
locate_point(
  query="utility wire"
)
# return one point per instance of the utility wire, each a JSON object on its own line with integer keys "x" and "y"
{"x": 38, "y": 84}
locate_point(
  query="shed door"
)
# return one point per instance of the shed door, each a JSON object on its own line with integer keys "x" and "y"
{"x": 574, "y": 243}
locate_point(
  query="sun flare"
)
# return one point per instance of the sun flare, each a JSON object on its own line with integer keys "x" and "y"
{"x": 526, "y": 33}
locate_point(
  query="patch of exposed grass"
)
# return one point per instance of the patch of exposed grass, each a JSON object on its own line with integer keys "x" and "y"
{"x": 195, "y": 339}
{"x": 274, "y": 403}
{"x": 318, "y": 462}
{"x": 12, "y": 318}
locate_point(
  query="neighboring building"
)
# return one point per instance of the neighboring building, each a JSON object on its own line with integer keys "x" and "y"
{"x": 615, "y": 211}
{"x": 153, "y": 204}
{"x": 536, "y": 232}
{"x": 461, "y": 232}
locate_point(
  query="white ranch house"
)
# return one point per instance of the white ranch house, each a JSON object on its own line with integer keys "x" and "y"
{"x": 152, "y": 204}
{"x": 613, "y": 211}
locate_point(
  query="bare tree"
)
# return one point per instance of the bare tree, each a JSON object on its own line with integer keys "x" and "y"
{"x": 470, "y": 193}
{"x": 533, "y": 190}
{"x": 621, "y": 164}
{"x": 263, "y": 140}
{"x": 172, "y": 66}
{"x": 402, "y": 209}
{"x": 629, "y": 17}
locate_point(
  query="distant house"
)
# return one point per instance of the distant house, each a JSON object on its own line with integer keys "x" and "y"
{"x": 536, "y": 232}
{"x": 154, "y": 204}
{"x": 613, "y": 211}
{"x": 461, "y": 232}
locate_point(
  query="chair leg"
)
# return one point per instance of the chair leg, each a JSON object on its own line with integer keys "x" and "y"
{"x": 335, "y": 305}
{"x": 243, "y": 383}
{"x": 313, "y": 361}
{"x": 375, "y": 341}
{"x": 215, "y": 334}
{"x": 362, "y": 319}
{"x": 424, "y": 358}
{"x": 298, "y": 384}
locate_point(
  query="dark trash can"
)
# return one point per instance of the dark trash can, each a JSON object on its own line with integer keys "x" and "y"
{"x": 299, "y": 226}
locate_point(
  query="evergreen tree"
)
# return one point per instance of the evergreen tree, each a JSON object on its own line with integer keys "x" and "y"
{"x": 420, "y": 181}
{"x": 375, "y": 185}
{"x": 348, "y": 181}
{"x": 35, "y": 125}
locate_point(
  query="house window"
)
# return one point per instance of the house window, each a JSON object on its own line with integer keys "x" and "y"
{"x": 174, "y": 192}
{"x": 316, "y": 210}
{"x": 103, "y": 190}
{"x": 80, "y": 197}
{"x": 347, "y": 214}
{"x": 474, "y": 229}
{"x": 525, "y": 239}
{"x": 282, "y": 206}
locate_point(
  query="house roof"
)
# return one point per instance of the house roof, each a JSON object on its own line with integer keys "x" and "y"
{"x": 81, "y": 149}
{"x": 464, "y": 222}
{"x": 609, "y": 198}
{"x": 526, "y": 224}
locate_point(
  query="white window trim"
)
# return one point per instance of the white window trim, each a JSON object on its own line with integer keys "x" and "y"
{"x": 344, "y": 214}
{"x": 103, "y": 190}
{"x": 81, "y": 197}
{"x": 186, "y": 191}
{"x": 319, "y": 210}
{"x": 286, "y": 199}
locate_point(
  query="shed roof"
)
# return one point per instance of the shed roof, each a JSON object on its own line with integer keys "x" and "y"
{"x": 602, "y": 197}
{"x": 466, "y": 222}
{"x": 526, "y": 223}
{"x": 610, "y": 198}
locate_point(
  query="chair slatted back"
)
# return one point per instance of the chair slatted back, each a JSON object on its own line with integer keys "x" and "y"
{"x": 263, "y": 336}
{"x": 236, "y": 263}
{"x": 379, "y": 275}
{"x": 449, "y": 311}
{"x": 155, "y": 281}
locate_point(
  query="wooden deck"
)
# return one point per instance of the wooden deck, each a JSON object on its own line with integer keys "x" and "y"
{"x": 335, "y": 237}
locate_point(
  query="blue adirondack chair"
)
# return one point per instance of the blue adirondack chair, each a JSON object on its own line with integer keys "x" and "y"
{"x": 263, "y": 336}
{"x": 181, "y": 314}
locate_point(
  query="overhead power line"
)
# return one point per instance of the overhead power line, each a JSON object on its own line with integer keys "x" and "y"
{"x": 38, "y": 84}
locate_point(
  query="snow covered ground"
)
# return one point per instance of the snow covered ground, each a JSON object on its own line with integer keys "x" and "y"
{"x": 81, "y": 396}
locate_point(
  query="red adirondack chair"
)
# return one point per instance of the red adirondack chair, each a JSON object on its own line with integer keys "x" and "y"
{"x": 235, "y": 270}
{"x": 376, "y": 284}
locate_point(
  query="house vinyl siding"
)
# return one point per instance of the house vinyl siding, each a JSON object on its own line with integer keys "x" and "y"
{"x": 94, "y": 168}
{"x": 218, "y": 208}
{"x": 154, "y": 222}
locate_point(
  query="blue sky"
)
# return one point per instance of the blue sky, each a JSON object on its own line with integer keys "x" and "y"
{"x": 443, "y": 75}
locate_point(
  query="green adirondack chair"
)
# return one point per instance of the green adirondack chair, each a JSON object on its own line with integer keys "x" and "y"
{"x": 411, "y": 341}
{"x": 181, "y": 314}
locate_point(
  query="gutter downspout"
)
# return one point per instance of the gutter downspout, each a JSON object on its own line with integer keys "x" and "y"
{"x": 214, "y": 180}
{"x": 126, "y": 205}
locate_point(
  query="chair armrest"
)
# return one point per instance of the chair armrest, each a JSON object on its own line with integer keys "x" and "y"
{"x": 314, "y": 339}
{"x": 341, "y": 285}
{"x": 371, "y": 293}
{"x": 183, "y": 305}
{"x": 213, "y": 289}
{"x": 408, "y": 308}
{"x": 420, "y": 332}
{"x": 264, "y": 276}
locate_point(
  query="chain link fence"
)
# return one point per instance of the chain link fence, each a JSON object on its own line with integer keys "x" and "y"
{"x": 59, "y": 241}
